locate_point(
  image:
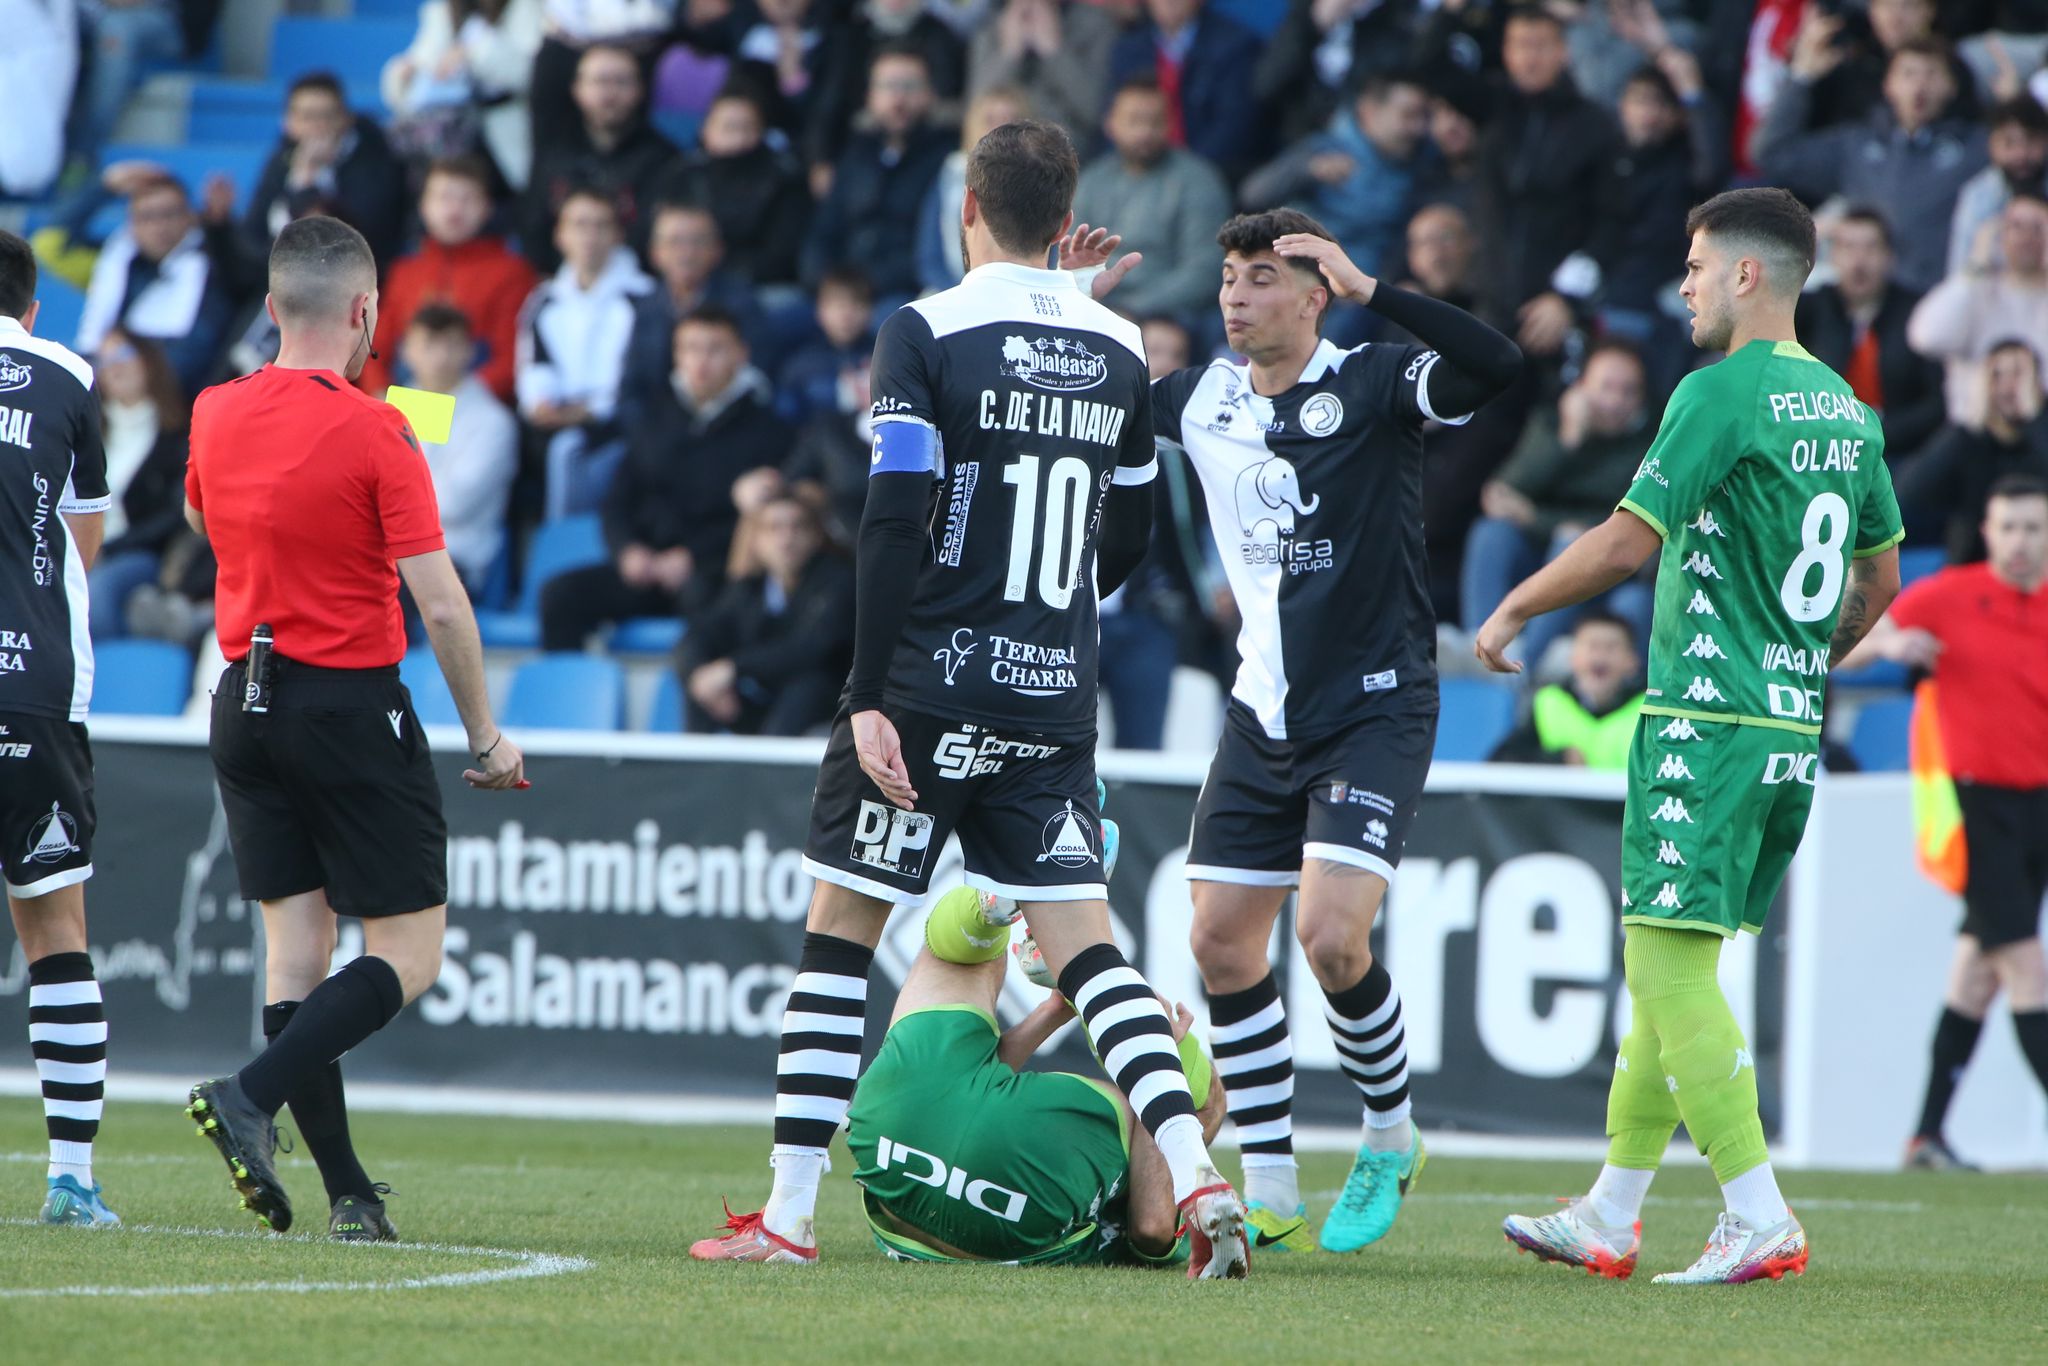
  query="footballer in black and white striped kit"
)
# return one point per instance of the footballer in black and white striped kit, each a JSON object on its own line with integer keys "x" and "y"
{"x": 1310, "y": 458}
{"x": 53, "y": 501}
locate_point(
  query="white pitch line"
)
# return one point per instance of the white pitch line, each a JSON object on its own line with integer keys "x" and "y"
{"x": 522, "y": 1266}
{"x": 1835, "y": 1203}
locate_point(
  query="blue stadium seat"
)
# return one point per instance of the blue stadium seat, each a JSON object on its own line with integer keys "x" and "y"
{"x": 1879, "y": 673}
{"x": 63, "y": 304}
{"x": 667, "y": 716}
{"x": 648, "y": 636}
{"x": 353, "y": 49}
{"x": 407, "y": 10}
{"x": 567, "y": 692}
{"x": 193, "y": 163}
{"x": 1917, "y": 562}
{"x": 421, "y": 674}
{"x": 678, "y": 126}
{"x": 1476, "y": 716}
{"x": 1878, "y": 739}
{"x": 570, "y": 543}
{"x": 140, "y": 678}
{"x": 224, "y": 109}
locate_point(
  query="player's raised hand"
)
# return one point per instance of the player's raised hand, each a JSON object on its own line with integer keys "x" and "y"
{"x": 1346, "y": 280}
{"x": 880, "y": 751}
{"x": 1491, "y": 644}
{"x": 1086, "y": 248}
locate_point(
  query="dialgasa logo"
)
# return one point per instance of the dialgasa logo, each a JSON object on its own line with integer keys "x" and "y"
{"x": 1057, "y": 363}
{"x": 14, "y": 375}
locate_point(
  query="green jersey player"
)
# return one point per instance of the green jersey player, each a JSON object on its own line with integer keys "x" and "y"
{"x": 1767, "y": 491}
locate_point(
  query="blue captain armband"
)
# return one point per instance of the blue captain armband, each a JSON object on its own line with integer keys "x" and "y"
{"x": 904, "y": 446}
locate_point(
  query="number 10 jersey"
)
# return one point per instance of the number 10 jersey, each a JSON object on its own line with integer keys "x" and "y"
{"x": 1040, "y": 400}
{"x": 1766, "y": 479}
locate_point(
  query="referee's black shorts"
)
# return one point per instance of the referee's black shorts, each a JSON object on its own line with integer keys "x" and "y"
{"x": 2005, "y": 830}
{"x": 332, "y": 788}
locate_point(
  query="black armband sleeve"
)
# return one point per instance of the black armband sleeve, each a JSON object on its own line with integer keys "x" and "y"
{"x": 893, "y": 537}
{"x": 1126, "y": 535}
{"x": 1477, "y": 363}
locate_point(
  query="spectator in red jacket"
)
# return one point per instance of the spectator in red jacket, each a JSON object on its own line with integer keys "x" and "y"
{"x": 456, "y": 264}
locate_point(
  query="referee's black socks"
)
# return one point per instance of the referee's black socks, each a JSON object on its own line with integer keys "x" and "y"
{"x": 319, "y": 1108}
{"x": 337, "y": 1015}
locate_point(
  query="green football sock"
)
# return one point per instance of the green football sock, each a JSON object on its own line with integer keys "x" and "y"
{"x": 1706, "y": 1062}
{"x": 956, "y": 932}
{"x": 1641, "y": 1115}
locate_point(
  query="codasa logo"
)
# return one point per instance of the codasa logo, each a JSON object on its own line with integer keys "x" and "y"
{"x": 1067, "y": 839}
{"x": 1056, "y": 363}
{"x": 52, "y": 838}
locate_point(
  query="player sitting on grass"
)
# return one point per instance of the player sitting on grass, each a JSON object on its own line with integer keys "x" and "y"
{"x": 963, "y": 1157}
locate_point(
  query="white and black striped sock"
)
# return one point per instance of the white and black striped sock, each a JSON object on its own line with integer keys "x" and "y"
{"x": 67, "y": 1032}
{"x": 1372, "y": 1048}
{"x": 814, "y": 1077}
{"x": 1255, "y": 1060}
{"x": 1134, "y": 1039}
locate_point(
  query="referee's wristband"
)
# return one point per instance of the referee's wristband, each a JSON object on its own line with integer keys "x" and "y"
{"x": 485, "y": 756}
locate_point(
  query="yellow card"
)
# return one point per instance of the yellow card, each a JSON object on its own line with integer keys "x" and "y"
{"x": 431, "y": 414}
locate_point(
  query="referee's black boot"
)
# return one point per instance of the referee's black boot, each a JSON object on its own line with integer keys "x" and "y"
{"x": 356, "y": 1220}
{"x": 247, "y": 1138}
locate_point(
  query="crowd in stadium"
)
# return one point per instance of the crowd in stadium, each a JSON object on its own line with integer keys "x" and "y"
{"x": 647, "y": 243}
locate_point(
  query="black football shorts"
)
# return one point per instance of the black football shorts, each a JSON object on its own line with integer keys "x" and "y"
{"x": 1023, "y": 805}
{"x": 46, "y": 811}
{"x": 1348, "y": 797}
{"x": 2005, "y": 830}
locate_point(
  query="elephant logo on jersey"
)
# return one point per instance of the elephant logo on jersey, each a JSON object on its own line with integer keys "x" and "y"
{"x": 1269, "y": 494}
{"x": 1322, "y": 414}
{"x": 53, "y": 837}
{"x": 14, "y": 375}
{"x": 1067, "y": 839}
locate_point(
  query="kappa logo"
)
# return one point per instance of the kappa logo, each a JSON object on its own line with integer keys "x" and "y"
{"x": 1706, "y": 525}
{"x": 1672, "y": 810}
{"x": 1625, "y": 902}
{"x": 14, "y": 375}
{"x": 1678, "y": 728}
{"x": 52, "y": 838}
{"x": 1322, "y": 414}
{"x": 1667, "y": 899}
{"x": 1376, "y": 833}
{"x": 1742, "y": 1060}
{"x": 1700, "y": 563}
{"x": 397, "y": 720}
{"x": 1674, "y": 767}
{"x": 951, "y": 657}
{"x": 1060, "y": 364}
{"x": 1671, "y": 1083}
{"x": 1667, "y": 853}
{"x": 1621, "y": 1062}
{"x": 1067, "y": 839}
{"x": 1703, "y": 690}
{"x": 1701, "y": 605}
{"x": 892, "y": 839}
{"x": 1269, "y": 495}
{"x": 1704, "y": 647}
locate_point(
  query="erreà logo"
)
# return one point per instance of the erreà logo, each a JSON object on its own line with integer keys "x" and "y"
{"x": 1057, "y": 363}
{"x": 14, "y": 375}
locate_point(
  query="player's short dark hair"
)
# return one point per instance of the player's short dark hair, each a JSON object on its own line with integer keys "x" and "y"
{"x": 463, "y": 166}
{"x": 1872, "y": 216}
{"x": 17, "y": 275}
{"x": 316, "y": 265}
{"x": 2018, "y": 485}
{"x": 848, "y": 279}
{"x": 1769, "y": 222}
{"x": 1600, "y": 616}
{"x": 1248, "y": 234}
{"x": 2020, "y": 111}
{"x": 441, "y": 320}
{"x": 317, "y": 82}
{"x": 1535, "y": 14}
{"x": 713, "y": 315}
{"x": 1023, "y": 176}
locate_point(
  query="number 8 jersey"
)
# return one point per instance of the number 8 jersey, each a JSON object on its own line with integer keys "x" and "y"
{"x": 1766, "y": 479}
{"x": 1039, "y": 398}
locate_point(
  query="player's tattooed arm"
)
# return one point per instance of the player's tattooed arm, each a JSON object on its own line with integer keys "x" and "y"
{"x": 1873, "y": 583}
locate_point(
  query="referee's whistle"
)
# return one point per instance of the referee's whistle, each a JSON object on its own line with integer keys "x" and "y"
{"x": 256, "y": 671}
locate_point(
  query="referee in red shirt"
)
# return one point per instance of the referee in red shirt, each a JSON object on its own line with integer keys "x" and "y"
{"x": 317, "y": 501}
{"x": 1983, "y": 630}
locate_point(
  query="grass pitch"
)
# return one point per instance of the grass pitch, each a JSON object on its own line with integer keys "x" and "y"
{"x": 566, "y": 1241}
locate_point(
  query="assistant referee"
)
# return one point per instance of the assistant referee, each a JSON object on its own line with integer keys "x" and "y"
{"x": 318, "y": 501}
